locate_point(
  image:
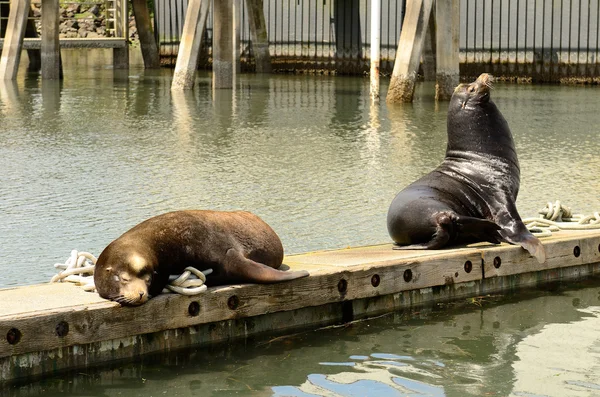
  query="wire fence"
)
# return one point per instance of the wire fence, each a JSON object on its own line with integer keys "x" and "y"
{"x": 545, "y": 40}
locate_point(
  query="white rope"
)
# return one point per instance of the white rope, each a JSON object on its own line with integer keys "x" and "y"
{"x": 556, "y": 216}
{"x": 79, "y": 269}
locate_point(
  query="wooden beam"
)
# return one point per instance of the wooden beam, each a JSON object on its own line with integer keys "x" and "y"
{"x": 121, "y": 55}
{"x": 447, "y": 16}
{"x": 146, "y": 35}
{"x": 237, "y": 28}
{"x": 222, "y": 44}
{"x": 51, "y": 66}
{"x": 13, "y": 41}
{"x": 408, "y": 55}
{"x": 189, "y": 46}
{"x": 428, "y": 57}
{"x": 259, "y": 36}
{"x": 34, "y": 55}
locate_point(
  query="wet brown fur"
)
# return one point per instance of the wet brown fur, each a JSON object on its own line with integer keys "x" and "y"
{"x": 238, "y": 246}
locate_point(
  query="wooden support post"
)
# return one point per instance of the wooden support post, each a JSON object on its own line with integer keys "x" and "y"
{"x": 51, "y": 68}
{"x": 237, "y": 27}
{"x": 145, "y": 32}
{"x": 34, "y": 55}
{"x": 121, "y": 55}
{"x": 408, "y": 56}
{"x": 375, "y": 44}
{"x": 13, "y": 41}
{"x": 428, "y": 57}
{"x": 222, "y": 44}
{"x": 447, "y": 15}
{"x": 189, "y": 46}
{"x": 259, "y": 36}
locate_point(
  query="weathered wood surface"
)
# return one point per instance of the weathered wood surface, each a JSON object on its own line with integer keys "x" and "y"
{"x": 15, "y": 32}
{"x": 102, "y": 42}
{"x": 447, "y": 24}
{"x": 51, "y": 68}
{"x": 184, "y": 75}
{"x": 259, "y": 36}
{"x": 343, "y": 285}
{"x": 408, "y": 56}
{"x": 222, "y": 67}
{"x": 146, "y": 35}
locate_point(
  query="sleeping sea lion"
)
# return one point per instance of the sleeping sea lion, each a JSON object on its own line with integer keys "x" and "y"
{"x": 238, "y": 246}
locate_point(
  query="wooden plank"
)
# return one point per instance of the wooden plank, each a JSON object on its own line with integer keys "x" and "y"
{"x": 189, "y": 46}
{"x": 15, "y": 31}
{"x": 51, "y": 67}
{"x": 147, "y": 40}
{"x": 447, "y": 17}
{"x": 408, "y": 55}
{"x": 104, "y": 42}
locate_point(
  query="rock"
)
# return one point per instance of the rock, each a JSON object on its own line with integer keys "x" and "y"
{"x": 74, "y": 8}
{"x": 95, "y": 10}
{"x": 93, "y": 35}
{"x": 82, "y": 33}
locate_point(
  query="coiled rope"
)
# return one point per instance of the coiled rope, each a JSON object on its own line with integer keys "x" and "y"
{"x": 556, "y": 216}
{"x": 79, "y": 269}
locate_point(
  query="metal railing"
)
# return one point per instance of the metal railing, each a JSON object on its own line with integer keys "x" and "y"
{"x": 546, "y": 40}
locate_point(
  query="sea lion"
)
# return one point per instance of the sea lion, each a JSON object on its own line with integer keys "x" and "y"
{"x": 471, "y": 195}
{"x": 238, "y": 246}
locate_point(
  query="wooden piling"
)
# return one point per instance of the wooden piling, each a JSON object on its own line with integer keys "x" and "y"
{"x": 34, "y": 55}
{"x": 408, "y": 55}
{"x": 375, "y": 44}
{"x": 189, "y": 46}
{"x": 447, "y": 15}
{"x": 13, "y": 41}
{"x": 121, "y": 54}
{"x": 145, "y": 33}
{"x": 237, "y": 27}
{"x": 428, "y": 57}
{"x": 51, "y": 66}
{"x": 259, "y": 36}
{"x": 222, "y": 44}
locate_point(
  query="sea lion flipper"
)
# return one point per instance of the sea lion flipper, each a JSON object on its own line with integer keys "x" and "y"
{"x": 483, "y": 229}
{"x": 246, "y": 270}
{"x": 530, "y": 243}
{"x": 439, "y": 239}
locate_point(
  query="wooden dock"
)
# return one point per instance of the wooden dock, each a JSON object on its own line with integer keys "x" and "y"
{"x": 53, "y": 327}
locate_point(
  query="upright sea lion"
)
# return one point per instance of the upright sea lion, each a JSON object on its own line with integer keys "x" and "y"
{"x": 470, "y": 196}
{"x": 238, "y": 246}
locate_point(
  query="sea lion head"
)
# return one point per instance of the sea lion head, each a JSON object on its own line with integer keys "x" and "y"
{"x": 472, "y": 95}
{"x": 123, "y": 276}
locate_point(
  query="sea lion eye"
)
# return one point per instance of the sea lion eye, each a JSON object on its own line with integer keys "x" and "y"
{"x": 471, "y": 89}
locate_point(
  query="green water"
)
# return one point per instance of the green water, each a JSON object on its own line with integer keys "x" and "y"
{"x": 85, "y": 159}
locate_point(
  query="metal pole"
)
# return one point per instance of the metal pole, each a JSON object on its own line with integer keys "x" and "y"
{"x": 375, "y": 44}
